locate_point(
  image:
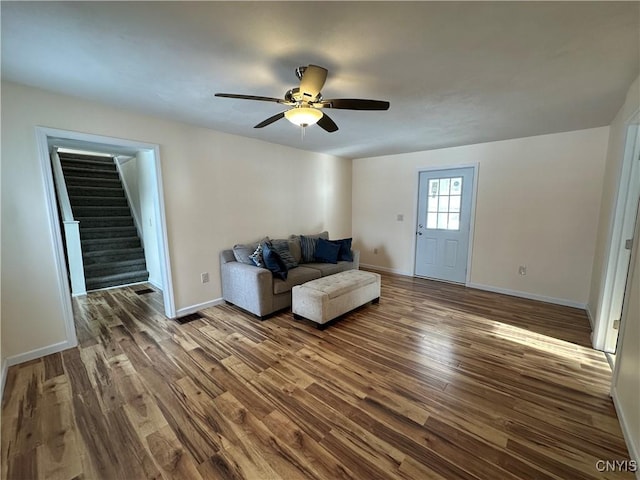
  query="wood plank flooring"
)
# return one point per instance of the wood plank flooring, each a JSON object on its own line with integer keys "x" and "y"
{"x": 435, "y": 382}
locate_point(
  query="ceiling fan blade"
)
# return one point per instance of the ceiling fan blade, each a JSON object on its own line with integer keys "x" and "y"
{"x": 251, "y": 97}
{"x": 354, "y": 104}
{"x": 327, "y": 124}
{"x": 312, "y": 82}
{"x": 270, "y": 120}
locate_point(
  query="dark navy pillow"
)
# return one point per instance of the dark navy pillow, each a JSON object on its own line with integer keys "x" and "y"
{"x": 273, "y": 262}
{"x": 326, "y": 251}
{"x": 345, "y": 249}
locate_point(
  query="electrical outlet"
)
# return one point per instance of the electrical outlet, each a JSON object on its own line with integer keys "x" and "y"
{"x": 375, "y": 251}
{"x": 522, "y": 269}
{"x": 204, "y": 277}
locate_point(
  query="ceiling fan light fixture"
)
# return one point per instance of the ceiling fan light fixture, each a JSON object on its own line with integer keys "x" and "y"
{"x": 303, "y": 116}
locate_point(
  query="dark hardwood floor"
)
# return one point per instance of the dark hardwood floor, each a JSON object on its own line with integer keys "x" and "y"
{"x": 435, "y": 382}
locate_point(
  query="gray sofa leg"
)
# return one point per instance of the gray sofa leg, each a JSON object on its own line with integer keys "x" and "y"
{"x": 375, "y": 300}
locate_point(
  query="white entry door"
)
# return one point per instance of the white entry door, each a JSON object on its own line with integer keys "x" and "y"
{"x": 444, "y": 219}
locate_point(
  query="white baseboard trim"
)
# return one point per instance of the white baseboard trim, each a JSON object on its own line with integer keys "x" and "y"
{"x": 386, "y": 270}
{"x": 156, "y": 284}
{"x": 530, "y": 296}
{"x": 194, "y": 308}
{"x": 3, "y": 378}
{"x": 38, "y": 353}
{"x": 634, "y": 450}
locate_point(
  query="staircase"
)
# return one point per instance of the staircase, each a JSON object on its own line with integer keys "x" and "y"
{"x": 111, "y": 249}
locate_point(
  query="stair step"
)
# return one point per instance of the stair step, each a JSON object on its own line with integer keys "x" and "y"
{"x": 73, "y": 181}
{"x": 96, "y": 244}
{"x": 91, "y": 164}
{"x": 87, "y": 191}
{"x": 90, "y": 172}
{"x": 110, "y": 256}
{"x": 117, "y": 279}
{"x": 99, "y": 211}
{"x": 111, "y": 268}
{"x": 98, "y": 201}
{"x": 80, "y": 156}
{"x": 103, "y": 221}
{"x": 90, "y": 233}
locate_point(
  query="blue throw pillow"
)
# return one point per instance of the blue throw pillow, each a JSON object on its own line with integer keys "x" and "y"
{"x": 326, "y": 251}
{"x": 345, "y": 249}
{"x": 273, "y": 262}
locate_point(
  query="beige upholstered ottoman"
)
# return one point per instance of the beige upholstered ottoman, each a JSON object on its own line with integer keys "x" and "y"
{"x": 328, "y": 297}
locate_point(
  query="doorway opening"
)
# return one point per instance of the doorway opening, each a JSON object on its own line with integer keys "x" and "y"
{"x": 147, "y": 156}
{"x": 607, "y": 322}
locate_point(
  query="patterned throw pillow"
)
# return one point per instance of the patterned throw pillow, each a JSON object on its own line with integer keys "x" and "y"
{"x": 307, "y": 247}
{"x": 257, "y": 257}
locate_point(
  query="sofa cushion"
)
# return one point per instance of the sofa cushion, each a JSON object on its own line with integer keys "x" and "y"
{"x": 283, "y": 249}
{"x": 337, "y": 285}
{"x": 329, "y": 268}
{"x": 326, "y": 251}
{"x": 297, "y": 276}
{"x": 345, "y": 249}
{"x": 273, "y": 262}
{"x": 308, "y": 245}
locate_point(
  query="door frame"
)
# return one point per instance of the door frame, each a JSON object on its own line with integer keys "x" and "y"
{"x": 621, "y": 220}
{"x": 416, "y": 198}
{"x": 45, "y": 137}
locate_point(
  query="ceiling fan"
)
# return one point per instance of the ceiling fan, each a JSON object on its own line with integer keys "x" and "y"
{"x": 307, "y": 102}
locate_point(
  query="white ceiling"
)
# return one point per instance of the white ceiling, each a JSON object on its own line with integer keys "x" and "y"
{"x": 455, "y": 73}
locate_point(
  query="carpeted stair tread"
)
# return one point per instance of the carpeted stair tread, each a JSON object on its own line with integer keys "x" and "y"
{"x": 75, "y": 162}
{"x": 73, "y": 181}
{"x": 97, "y": 211}
{"x": 96, "y": 244}
{"x": 110, "y": 256}
{"x": 117, "y": 279}
{"x": 107, "y": 232}
{"x": 89, "y": 201}
{"x": 90, "y": 172}
{"x": 108, "y": 268}
{"x": 82, "y": 156}
{"x": 106, "y": 221}
{"x": 88, "y": 191}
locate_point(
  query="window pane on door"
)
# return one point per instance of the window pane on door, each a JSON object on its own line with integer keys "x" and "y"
{"x": 443, "y": 203}
{"x": 456, "y": 186}
{"x": 454, "y": 203}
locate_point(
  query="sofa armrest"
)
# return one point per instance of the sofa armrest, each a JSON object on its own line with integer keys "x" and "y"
{"x": 248, "y": 287}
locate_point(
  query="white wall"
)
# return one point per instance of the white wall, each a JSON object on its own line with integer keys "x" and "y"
{"x": 219, "y": 190}
{"x": 149, "y": 218}
{"x": 129, "y": 175}
{"x": 538, "y": 200}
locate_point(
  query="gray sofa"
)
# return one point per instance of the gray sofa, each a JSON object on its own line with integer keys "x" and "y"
{"x": 257, "y": 291}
